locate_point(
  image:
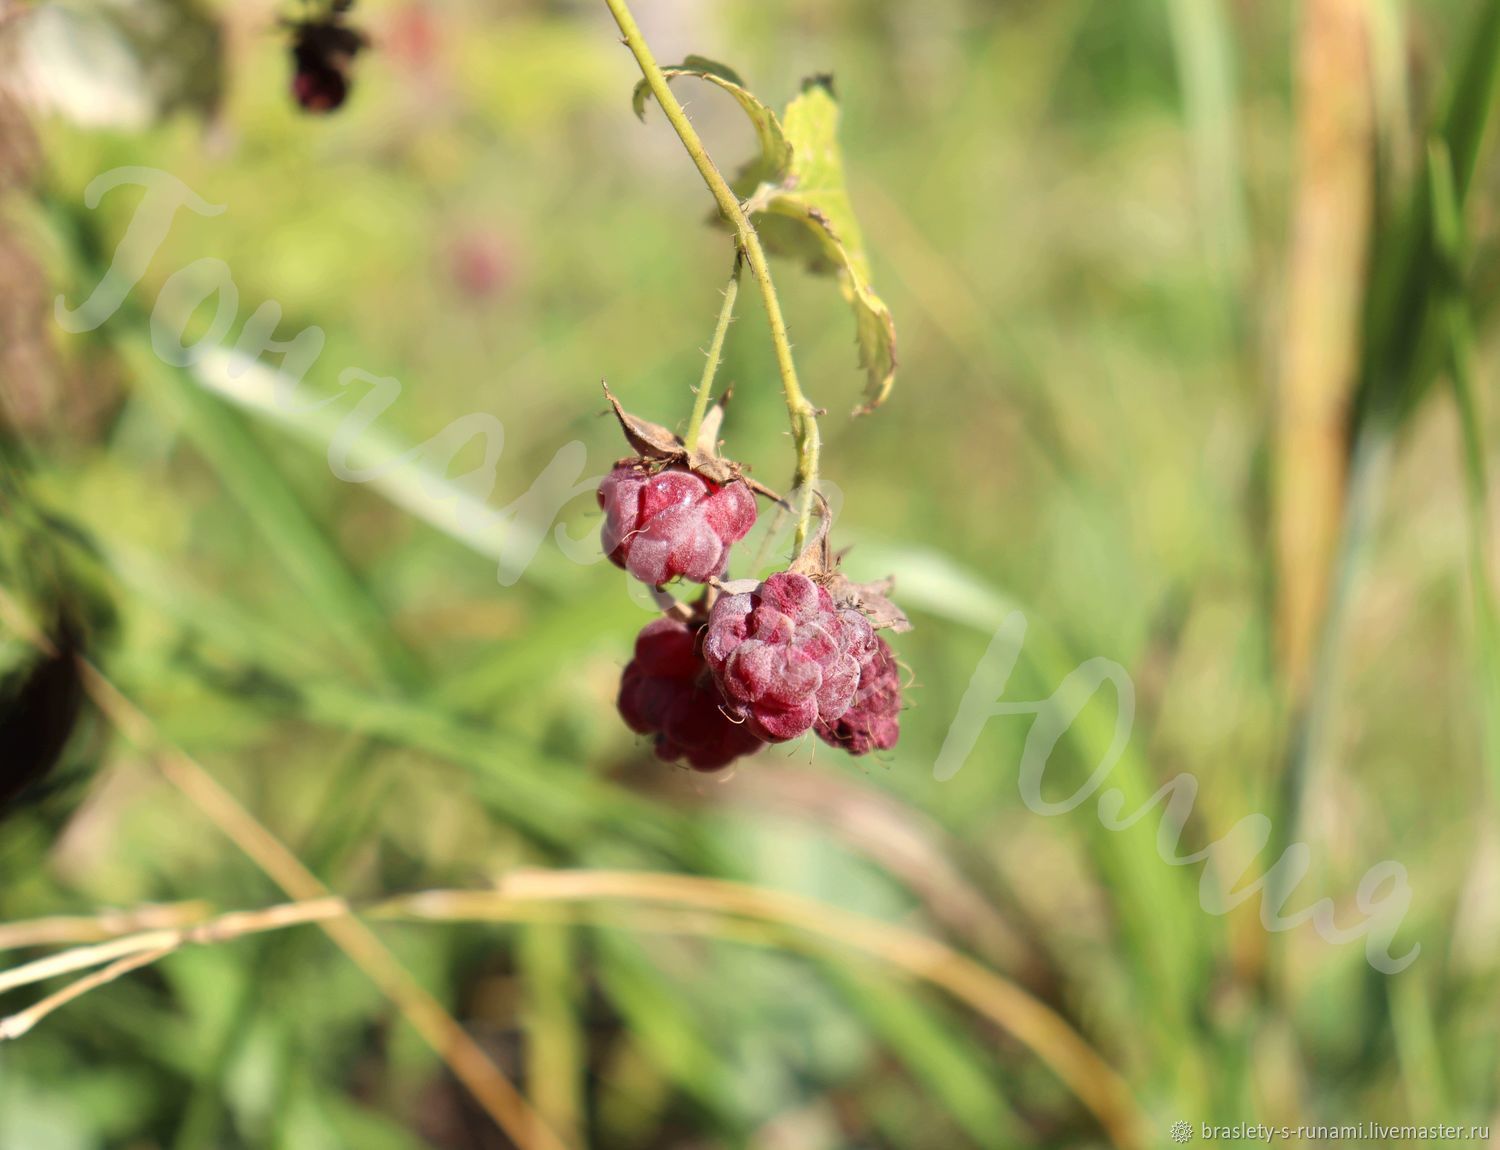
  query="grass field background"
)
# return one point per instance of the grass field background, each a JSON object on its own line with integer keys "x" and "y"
{"x": 1194, "y": 304}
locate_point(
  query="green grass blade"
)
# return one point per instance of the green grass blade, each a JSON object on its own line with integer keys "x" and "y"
{"x": 1205, "y": 64}
{"x": 946, "y": 1063}
{"x": 667, "y": 1031}
{"x": 512, "y": 540}
{"x": 300, "y": 544}
{"x": 1471, "y": 98}
{"x": 1403, "y": 348}
{"x": 555, "y": 1043}
{"x": 1169, "y": 937}
{"x": 1447, "y": 225}
{"x": 1418, "y": 1047}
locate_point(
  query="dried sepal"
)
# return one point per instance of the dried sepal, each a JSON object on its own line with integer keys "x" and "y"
{"x": 872, "y": 600}
{"x": 713, "y": 421}
{"x": 734, "y": 586}
{"x": 650, "y": 440}
{"x": 660, "y": 447}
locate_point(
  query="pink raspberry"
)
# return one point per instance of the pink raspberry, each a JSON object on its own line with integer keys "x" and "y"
{"x": 872, "y": 721}
{"x": 785, "y": 657}
{"x": 673, "y": 522}
{"x": 667, "y": 692}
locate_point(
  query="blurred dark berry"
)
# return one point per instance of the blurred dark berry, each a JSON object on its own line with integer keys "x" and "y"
{"x": 479, "y": 264}
{"x": 39, "y": 709}
{"x": 323, "y": 52}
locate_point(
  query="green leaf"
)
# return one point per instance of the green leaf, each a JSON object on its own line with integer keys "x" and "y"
{"x": 775, "y": 151}
{"x": 812, "y": 191}
{"x": 796, "y": 188}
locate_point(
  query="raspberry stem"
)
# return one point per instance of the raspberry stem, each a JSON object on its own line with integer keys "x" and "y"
{"x": 715, "y": 353}
{"x": 804, "y": 417}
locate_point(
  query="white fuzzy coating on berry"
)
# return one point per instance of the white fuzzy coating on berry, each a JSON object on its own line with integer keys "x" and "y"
{"x": 872, "y": 722}
{"x": 785, "y": 657}
{"x": 673, "y": 523}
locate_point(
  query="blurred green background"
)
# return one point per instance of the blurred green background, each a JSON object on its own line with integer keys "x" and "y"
{"x": 1103, "y": 228}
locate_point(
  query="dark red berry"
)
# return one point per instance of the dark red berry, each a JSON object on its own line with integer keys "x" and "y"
{"x": 785, "y": 657}
{"x": 872, "y": 722}
{"x": 667, "y": 692}
{"x": 323, "y": 51}
{"x": 318, "y": 89}
{"x": 660, "y": 525}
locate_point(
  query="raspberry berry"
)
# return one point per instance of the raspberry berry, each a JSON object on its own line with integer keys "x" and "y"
{"x": 317, "y": 88}
{"x": 323, "y": 50}
{"x": 667, "y": 692}
{"x": 785, "y": 656}
{"x": 793, "y": 654}
{"x": 661, "y": 524}
{"x": 872, "y": 721}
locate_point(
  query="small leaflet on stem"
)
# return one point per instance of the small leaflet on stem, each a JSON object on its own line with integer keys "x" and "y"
{"x": 796, "y": 191}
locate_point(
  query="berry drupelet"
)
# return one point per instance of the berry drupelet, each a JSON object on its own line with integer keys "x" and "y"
{"x": 872, "y": 722}
{"x": 785, "y": 657}
{"x": 665, "y": 524}
{"x": 667, "y": 692}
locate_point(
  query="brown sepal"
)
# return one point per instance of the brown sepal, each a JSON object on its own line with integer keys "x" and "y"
{"x": 662, "y": 448}
{"x": 870, "y": 599}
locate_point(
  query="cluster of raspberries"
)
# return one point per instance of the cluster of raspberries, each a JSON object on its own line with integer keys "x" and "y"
{"x": 762, "y": 666}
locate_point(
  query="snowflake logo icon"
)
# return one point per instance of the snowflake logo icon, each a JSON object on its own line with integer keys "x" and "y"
{"x": 1181, "y": 1132}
